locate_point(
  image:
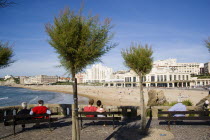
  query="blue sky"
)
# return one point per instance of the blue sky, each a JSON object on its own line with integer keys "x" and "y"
{"x": 174, "y": 29}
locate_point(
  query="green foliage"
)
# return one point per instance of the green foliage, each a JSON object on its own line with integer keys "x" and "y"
{"x": 79, "y": 40}
{"x": 203, "y": 76}
{"x": 138, "y": 58}
{"x": 185, "y": 102}
{"x": 6, "y": 3}
{"x": 17, "y": 80}
{"x": 6, "y": 54}
{"x": 170, "y": 104}
{"x": 148, "y": 113}
{"x": 207, "y": 43}
{"x": 62, "y": 83}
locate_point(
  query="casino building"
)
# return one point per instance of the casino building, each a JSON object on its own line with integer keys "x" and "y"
{"x": 165, "y": 73}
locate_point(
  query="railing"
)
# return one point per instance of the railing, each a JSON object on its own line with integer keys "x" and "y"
{"x": 60, "y": 109}
{"x": 65, "y": 110}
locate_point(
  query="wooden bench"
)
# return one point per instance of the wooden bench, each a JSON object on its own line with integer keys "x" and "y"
{"x": 27, "y": 119}
{"x": 109, "y": 116}
{"x": 193, "y": 115}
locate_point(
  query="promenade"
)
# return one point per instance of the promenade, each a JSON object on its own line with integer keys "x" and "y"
{"x": 127, "y": 131}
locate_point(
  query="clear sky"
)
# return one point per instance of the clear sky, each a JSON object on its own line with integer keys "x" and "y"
{"x": 174, "y": 29}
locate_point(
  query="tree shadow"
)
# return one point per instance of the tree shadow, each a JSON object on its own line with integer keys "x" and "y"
{"x": 62, "y": 122}
{"x": 184, "y": 123}
{"x": 93, "y": 123}
{"x": 131, "y": 131}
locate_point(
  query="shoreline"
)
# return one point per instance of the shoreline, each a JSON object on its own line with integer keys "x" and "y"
{"x": 118, "y": 96}
{"x": 50, "y": 90}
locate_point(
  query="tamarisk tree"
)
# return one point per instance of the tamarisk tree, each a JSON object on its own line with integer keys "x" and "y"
{"x": 79, "y": 41}
{"x": 139, "y": 59}
{"x": 6, "y": 54}
{"x": 207, "y": 43}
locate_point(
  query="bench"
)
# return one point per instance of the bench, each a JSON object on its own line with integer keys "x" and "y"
{"x": 27, "y": 119}
{"x": 193, "y": 115}
{"x": 109, "y": 116}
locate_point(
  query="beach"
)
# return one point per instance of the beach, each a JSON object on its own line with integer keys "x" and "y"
{"x": 118, "y": 96}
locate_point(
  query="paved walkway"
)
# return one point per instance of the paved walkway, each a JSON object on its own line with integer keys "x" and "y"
{"x": 128, "y": 131}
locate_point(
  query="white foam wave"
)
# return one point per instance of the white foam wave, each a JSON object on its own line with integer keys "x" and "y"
{"x": 4, "y": 98}
{"x": 34, "y": 99}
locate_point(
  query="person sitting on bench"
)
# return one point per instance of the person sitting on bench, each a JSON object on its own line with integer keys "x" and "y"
{"x": 90, "y": 108}
{"x": 100, "y": 108}
{"x": 206, "y": 105}
{"x": 24, "y": 111}
{"x": 178, "y": 107}
{"x": 40, "y": 109}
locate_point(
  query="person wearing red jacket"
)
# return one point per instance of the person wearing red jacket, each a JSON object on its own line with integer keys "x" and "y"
{"x": 40, "y": 109}
{"x": 90, "y": 108}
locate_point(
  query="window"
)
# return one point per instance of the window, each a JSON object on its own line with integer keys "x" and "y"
{"x": 158, "y": 78}
{"x": 134, "y": 79}
{"x": 161, "y": 77}
{"x": 152, "y": 78}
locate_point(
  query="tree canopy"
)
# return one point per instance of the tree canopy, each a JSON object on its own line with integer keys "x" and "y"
{"x": 207, "y": 43}
{"x": 6, "y": 3}
{"x": 79, "y": 40}
{"x": 138, "y": 58}
{"x": 6, "y": 54}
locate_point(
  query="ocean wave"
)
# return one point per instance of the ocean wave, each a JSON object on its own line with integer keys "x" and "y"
{"x": 34, "y": 99}
{"x": 4, "y": 98}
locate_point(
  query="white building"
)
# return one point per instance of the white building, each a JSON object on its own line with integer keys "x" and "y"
{"x": 207, "y": 68}
{"x": 39, "y": 79}
{"x": 97, "y": 74}
{"x": 7, "y": 77}
{"x": 165, "y": 73}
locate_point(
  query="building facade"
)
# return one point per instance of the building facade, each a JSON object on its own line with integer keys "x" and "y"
{"x": 207, "y": 68}
{"x": 39, "y": 79}
{"x": 80, "y": 77}
{"x": 97, "y": 74}
{"x": 165, "y": 73}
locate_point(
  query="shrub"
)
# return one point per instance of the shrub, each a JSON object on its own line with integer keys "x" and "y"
{"x": 187, "y": 102}
{"x": 170, "y": 104}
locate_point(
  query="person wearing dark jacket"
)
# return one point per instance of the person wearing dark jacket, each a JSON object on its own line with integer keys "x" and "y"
{"x": 24, "y": 111}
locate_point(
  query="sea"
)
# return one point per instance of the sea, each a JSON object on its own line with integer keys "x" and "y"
{"x": 11, "y": 96}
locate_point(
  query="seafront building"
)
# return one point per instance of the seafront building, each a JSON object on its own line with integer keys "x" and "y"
{"x": 207, "y": 68}
{"x": 7, "y": 77}
{"x": 165, "y": 73}
{"x": 39, "y": 79}
{"x": 63, "y": 79}
{"x": 80, "y": 77}
{"x": 97, "y": 74}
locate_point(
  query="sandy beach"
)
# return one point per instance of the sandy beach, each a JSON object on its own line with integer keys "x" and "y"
{"x": 121, "y": 96}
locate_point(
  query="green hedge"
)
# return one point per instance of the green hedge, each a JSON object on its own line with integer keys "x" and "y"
{"x": 185, "y": 102}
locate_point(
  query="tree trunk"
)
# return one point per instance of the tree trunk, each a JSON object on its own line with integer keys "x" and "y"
{"x": 142, "y": 107}
{"x": 75, "y": 122}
